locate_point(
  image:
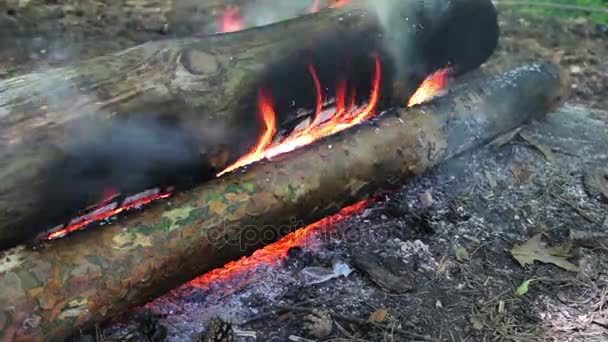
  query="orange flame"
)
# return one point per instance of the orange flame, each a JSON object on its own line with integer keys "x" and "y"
{"x": 341, "y": 119}
{"x": 274, "y": 254}
{"x": 430, "y": 87}
{"x": 340, "y": 3}
{"x": 106, "y": 211}
{"x": 314, "y": 8}
{"x": 230, "y": 20}
{"x": 334, "y": 4}
{"x": 319, "y": 102}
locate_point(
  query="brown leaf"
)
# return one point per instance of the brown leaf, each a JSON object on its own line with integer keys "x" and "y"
{"x": 534, "y": 250}
{"x": 520, "y": 174}
{"x": 378, "y": 316}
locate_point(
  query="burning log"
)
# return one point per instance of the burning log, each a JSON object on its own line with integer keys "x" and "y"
{"x": 149, "y": 115}
{"x": 97, "y": 274}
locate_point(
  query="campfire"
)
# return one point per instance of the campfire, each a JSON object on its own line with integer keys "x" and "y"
{"x": 324, "y": 155}
{"x": 324, "y": 122}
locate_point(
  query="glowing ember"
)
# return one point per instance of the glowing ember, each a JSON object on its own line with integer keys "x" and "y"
{"x": 108, "y": 195}
{"x": 339, "y": 121}
{"x": 230, "y": 20}
{"x": 431, "y": 86}
{"x": 334, "y": 4}
{"x": 273, "y": 254}
{"x": 340, "y": 3}
{"x": 106, "y": 211}
{"x": 314, "y": 8}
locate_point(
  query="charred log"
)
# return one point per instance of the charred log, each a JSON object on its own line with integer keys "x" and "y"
{"x": 96, "y": 274}
{"x": 193, "y": 101}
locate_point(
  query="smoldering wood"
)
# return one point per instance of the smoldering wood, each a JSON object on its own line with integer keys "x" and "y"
{"x": 202, "y": 93}
{"x": 94, "y": 275}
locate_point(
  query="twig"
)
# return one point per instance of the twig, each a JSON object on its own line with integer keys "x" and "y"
{"x": 268, "y": 314}
{"x": 356, "y": 320}
{"x": 261, "y": 316}
{"x": 553, "y": 5}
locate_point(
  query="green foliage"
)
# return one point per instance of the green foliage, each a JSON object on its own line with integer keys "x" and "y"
{"x": 523, "y": 288}
{"x": 541, "y": 10}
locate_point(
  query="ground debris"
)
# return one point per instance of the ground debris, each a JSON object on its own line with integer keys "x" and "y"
{"x": 545, "y": 150}
{"x": 390, "y": 273}
{"x": 356, "y": 320}
{"x": 316, "y": 274}
{"x": 218, "y": 330}
{"x": 534, "y": 250}
{"x": 589, "y": 238}
{"x": 596, "y": 183}
{"x": 505, "y": 138}
{"x": 378, "y": 316}
{"x": 426, "y": 199}
{"x": 461, "y": 254}
{"x": 318, "y": 323}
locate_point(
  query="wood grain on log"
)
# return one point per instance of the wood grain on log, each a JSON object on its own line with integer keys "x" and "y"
{"x": 94, "y": 275}
{"x": 206, "y": 89}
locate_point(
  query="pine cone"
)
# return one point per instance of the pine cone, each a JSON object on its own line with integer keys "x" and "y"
{"x": 218, "y": 331}
{"x": 318, "y": 324}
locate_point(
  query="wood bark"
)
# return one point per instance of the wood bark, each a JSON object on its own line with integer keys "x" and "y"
{"x": 94, "y": 275}
{"x": 209, "y": 85}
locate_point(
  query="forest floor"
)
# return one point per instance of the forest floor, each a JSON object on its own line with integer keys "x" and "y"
{"x": 435, "y": 260}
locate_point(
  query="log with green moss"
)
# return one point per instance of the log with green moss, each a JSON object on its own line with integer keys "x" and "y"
{"x": 94, "y": 275}
{"x": 206, "y": 91}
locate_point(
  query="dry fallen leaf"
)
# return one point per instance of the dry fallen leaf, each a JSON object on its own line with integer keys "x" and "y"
{"x": 520, "y": 174}
{"x": 534, "y": 250}
{"x": 377, "y": 316}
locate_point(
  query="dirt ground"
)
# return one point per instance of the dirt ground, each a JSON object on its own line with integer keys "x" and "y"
{"x": 433, "y": 261}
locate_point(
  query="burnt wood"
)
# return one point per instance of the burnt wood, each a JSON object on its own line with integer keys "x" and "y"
{"x": 174, "y": 112}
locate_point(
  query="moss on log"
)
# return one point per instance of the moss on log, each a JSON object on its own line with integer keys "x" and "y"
{"x": 97, "y": 274}
{"x": 207, "y": 88}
